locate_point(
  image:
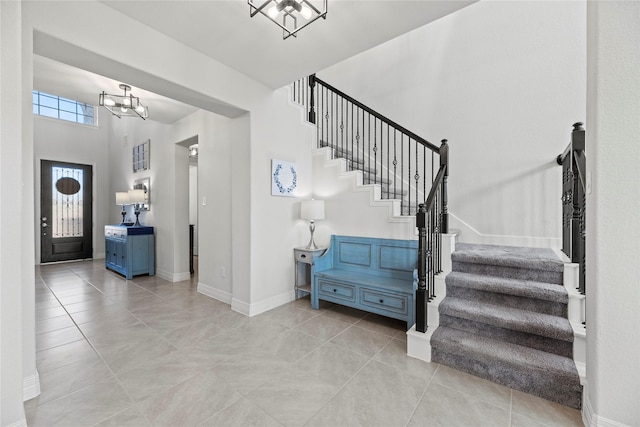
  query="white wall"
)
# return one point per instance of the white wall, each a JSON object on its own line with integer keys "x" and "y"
{"x": 124, "y": 134}
{"x": 277, "y": 132}
{"x": 350, "y": 209}
{"x": 70, "y": 142}
{"x": 12, "y": 222}
{"x": 503, "y": 82}
{"x": 613, "y": 219}
{"x": 215, "y": 139}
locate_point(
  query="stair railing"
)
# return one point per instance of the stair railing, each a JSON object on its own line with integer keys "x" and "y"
{"x": 406, "y": 166}
{"x": 399, "y": 161}
{"x": 573, "y": 162}
{"x": 432, "y": 220}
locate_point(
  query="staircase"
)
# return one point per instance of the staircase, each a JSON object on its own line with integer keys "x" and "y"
{"x": 504, "y": 318}
{"x": 503, "y": 313}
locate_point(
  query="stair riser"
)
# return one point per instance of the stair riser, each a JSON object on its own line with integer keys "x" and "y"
{"x": 523, "y": 303}
{"x": 517, "y": 377}
{"x": 550, "y": 345}
{"x": 509, "y": 272}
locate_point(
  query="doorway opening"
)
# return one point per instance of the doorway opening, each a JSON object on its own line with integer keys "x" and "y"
{"x": 191, "y": 144}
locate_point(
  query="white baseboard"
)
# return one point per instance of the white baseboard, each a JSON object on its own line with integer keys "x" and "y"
{"x": 271, "y": 303}
{"x": 98, "y": 255}
{"x": 31, "y": 387}
{"x": 243, "y": 307}
{"x": 240, "y": 307}
{"x": 20, "y": 423}
{"x": 173, "y": 277}
{"x": 214, "y": 293}
{"x": 591, "y": 419}
{"x": 181, "y": 277}
{"x": 468, "y": 234}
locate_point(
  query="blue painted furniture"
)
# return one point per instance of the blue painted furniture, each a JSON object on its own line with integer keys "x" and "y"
{"x": 130, "y": 250}
{"x": 374, "y": 275}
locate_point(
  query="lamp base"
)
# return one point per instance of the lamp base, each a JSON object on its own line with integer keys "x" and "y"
{"x": 312, "y": 244}
{"x": 137, "y": 224}
{"x": 124, "y": 213}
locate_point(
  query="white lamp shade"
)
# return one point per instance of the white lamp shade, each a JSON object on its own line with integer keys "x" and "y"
{"x": 312, "y": 209}
{"x": 136, "y": 196}
{"x": 122, "y": 198}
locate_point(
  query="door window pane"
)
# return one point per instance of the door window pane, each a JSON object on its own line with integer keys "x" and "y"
{"x": 67, "y": 202}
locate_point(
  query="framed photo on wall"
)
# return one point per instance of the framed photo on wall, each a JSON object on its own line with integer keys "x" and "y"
{"x": 284, "y": 178}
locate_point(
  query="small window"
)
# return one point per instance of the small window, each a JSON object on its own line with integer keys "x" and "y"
{"x": 70, "y": 110}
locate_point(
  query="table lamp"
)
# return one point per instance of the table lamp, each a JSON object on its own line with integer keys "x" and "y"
{"x": 312, "y": 210}
{"x": 137, "y": 197}
{"x": 122, "y": 199}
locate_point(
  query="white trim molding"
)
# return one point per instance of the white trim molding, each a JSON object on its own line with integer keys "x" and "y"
{"x": 31, "y": 387}
{"x": 591, "y": 419}
{"x": 270, "y": 303}
{"x": 173, "y": 277}
{"x": 214, "y": 293}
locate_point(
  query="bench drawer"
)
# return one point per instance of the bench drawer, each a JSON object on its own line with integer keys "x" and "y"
{"x": 338, "y": 291}
{"x": 392, "y": 303}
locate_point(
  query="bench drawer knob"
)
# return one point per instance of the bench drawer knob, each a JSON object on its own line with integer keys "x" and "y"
{"x": 381, "y": 301}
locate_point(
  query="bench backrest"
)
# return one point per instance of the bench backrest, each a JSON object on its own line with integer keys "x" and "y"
{"x": 386, "y": 257}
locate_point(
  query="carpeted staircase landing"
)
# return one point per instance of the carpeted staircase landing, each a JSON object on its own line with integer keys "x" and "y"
{"x": 504, "y": 319}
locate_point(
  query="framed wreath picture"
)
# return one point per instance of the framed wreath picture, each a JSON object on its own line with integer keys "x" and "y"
{"x": 284, "y": 178}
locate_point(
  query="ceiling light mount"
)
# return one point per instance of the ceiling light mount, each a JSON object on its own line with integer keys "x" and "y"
{"x": 125, "y": 105}
{"x": 288, "y": 14}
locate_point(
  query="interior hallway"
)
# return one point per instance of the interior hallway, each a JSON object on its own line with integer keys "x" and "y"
{"x": 112, "y": 352}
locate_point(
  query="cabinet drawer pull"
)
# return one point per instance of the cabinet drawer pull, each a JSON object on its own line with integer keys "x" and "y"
{"x": 303, "y": 256}
{"x": 381, "y": 301}
{"x": 335, "y": 290}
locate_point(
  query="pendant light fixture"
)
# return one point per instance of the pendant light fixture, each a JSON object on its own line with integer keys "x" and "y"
{"x": 125, "y": 105}
{"x": 290, "y": 15}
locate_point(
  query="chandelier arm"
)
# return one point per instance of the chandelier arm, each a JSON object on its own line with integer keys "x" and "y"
{"x": 253, "y": 11}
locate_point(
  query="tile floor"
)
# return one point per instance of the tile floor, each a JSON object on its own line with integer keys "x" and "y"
{"x": 112, "y": 352}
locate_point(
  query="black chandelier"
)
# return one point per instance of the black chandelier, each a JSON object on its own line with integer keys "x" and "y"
{"x": 290, "y": 15}
{"x": 125, "y": 105}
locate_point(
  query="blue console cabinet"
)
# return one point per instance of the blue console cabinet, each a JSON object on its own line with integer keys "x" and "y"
{"x": 130, "y": 250}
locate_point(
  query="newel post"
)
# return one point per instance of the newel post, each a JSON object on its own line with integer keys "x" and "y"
{"x": 312, "y": 110}
{"x": 421, "y": 293}
{"x": 444, "y": 161}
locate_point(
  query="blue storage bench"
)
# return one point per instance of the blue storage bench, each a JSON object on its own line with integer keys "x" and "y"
{"x": 374, "y": 275}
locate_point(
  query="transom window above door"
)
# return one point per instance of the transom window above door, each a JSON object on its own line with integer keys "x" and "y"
{"x": 56, "y": 107}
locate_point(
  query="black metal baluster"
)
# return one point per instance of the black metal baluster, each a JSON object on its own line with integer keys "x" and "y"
{"x": 355, "y": 155}
{"x": 358, "y": 131}
{"x": 402, "y": 174}
{"x": 395, "y": 168}
{"x": 388, "y": 157}
{"x": 409, "y": 175}
{"x": 417, "y": 175}
{"x": 421, "y": 292}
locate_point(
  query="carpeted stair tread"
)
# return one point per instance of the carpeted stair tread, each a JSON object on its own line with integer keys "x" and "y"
{"x": 508, "y": 256}
{"x": 532, "y": 371}
{"x": 503, "y": 285}
{"x": 508, "y": 318}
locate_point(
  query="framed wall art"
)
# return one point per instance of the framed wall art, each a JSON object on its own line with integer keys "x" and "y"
{"x": 284, "y": 178}
{"x": 141, "y": 156}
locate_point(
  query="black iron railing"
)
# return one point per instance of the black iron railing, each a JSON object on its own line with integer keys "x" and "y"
{"x": 432, "y": 220}
{"x": 399, "y": 161}
{"x": 407, "y": 167}
{"x": 573, "y": 162}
